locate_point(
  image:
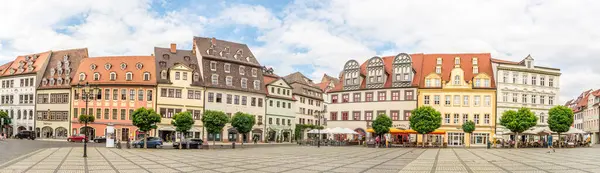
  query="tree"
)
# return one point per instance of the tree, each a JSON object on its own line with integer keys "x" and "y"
{"x": 469, "y": 127}
{"x": 86, "y": 119}
{"x": 5, "y": 120}
{"x": 214, "y": 121}
{"x": 243, "y": 123}
{"x": 382, "y": 124}
{"x": 560, "y": 120}
{"x": 518, "y": 121}
{"x": 425, "y": 120}
{"x": 145, "y": 120}
{"x": 183, "y": 122}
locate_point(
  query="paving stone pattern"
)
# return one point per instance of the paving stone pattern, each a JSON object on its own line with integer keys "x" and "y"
{"x": 307, "y": 160}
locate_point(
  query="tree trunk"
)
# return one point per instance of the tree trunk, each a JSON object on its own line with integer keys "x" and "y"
{"x": 423, "y": 141}
{"x": 516, "y": 140}
{"x": 180, "y": 140}
{"x": 243, "y": 137}
{"x": 145, "y": 139}
{"x": 559, "y": 145}
{"x": 469, "y": 144}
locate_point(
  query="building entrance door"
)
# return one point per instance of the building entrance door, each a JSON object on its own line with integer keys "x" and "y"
{"x": 456, "y": 139}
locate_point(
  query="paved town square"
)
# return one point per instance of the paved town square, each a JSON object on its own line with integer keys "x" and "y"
{"x": 306, "y": 159}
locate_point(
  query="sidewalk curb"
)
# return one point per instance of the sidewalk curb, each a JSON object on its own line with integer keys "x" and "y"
{"x": 12, "y": 161}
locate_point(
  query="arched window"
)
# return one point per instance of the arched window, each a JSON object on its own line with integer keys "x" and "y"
{"x": 146, "y": 76}
{"x": 96, "y": 76}
{"x": 196, "y": 76}
{"x": 128, "y": 76}
{"x": 215, "y": 79}
{"x": 113, "y": 76}
{"x": 457, "y": 80}
{"x": 81, "y": 76}
{"x": 163, "y": 74}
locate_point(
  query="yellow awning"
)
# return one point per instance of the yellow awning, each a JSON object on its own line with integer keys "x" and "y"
{"x": 392, "y": 130}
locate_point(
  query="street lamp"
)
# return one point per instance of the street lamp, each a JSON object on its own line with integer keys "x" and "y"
{"x": 86, "y": 93}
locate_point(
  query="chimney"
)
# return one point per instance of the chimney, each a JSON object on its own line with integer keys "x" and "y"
{"x": 213, "y": 40}
{"x": 173, "y": 48}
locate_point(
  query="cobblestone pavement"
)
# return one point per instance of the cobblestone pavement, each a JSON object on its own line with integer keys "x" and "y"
{"x": 12, "y": 148}
{"x": 307, "y": 160}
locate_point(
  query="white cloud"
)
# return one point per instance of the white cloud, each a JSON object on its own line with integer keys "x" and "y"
{"x": 559, "y": 34}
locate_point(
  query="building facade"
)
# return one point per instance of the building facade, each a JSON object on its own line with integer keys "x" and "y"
{"x": 53, "y": 105}
{"x": 309, "y": 100}
{"x": 378, "y": 86}
{"x": 234, "y": 83}
{"x": 281, "y": 115}
{"x": 522, "y": 84}
{"x": 591, "y": 116}
{"x": 19, "y": 82}
{"x": 180, "y": 89}
{"x": 124, "y": 83}
{"x": 462, "y": 88}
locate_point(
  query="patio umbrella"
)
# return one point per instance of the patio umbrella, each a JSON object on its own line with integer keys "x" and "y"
{"x": 349, "y": 131}
{"x": 573, "y": 130}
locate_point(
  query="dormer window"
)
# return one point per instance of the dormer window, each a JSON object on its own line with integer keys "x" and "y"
{"x": 238, "y": 54}
{"x": 474, "y": 61}
{"x": 107, "y": 66}
{"x": 457, "y": 61}
{"x": 128, "y": 76}
{"x": 475, "y": 70}
{"x": 256, "y": 84}
{"x": 51, "y": 81}
{"x": 215, "y": 79}
{"x": 52, "y": 71}
{"x": 59, "y": 81}
{"x": 213, "y": 66}
{"x": 96, "y": 76}
{"x": 68, "y": 71}
{"x": 163, "y": 74}
{"x": 242, "y": 70}
{"x": 59, "y": 64}
{"x": 81, "y": 76}
{"x": 162, "y": 64}
{"x": 113, "y": 76}
{"x": 229, "y": 81}
{"x": 227, "y": 67}
{"x": 439, "y": 61}
{"x": 139, "y": 65}
{"x": 93, "y": 66}
{"x": 123, "y": 66}
{"x": 254, "y": 72}
{"x": 196, "y": 76}
{"x": 457, "y": 80}
{"x": 165, "y": 56}
{"x": 60, "y": 71}
{"x": 44, "y": 81}
{"x": 146, "y": 76}
{"x": 67, "y": 80}
{"x": 186, "y": 58}
{"x": 438, "y": 70}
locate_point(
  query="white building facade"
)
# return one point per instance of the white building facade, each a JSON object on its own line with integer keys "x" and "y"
{"x": 281, "y": 115}
{"x": 522, "y": 84}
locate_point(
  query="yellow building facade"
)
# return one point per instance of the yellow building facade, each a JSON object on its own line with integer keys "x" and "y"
{"x": 461, "y": 87}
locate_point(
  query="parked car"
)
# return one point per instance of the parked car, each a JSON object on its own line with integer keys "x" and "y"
{"x": 194, "y": 143}
{"x": 101, "y": 139}
{"x": 26, "y": 135}
{"x": 77, "y": 138}
{"x": 153, "y": 142}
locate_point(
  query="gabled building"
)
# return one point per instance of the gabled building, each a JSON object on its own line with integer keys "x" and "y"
{"x": 462, "y": 88}
{"x": 20, "y": 79}
{"x": 591, "y": 117}
{"x": 234, "y": 83}
{"x": 281, "y": 112}
{"x": 180, "y": 89}
{"x": 309, "y": 99}
{"x": 381, "y": 85}
{"x": 124, "y": 83}
{"x": 53, "y": 105}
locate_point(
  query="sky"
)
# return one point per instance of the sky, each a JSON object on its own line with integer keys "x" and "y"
{"x": 319, "y": 36}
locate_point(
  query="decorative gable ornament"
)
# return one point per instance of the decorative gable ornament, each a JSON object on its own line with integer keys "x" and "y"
{"x": 139, "y": 65}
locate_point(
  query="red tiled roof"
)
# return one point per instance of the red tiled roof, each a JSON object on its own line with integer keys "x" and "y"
{"x": 38, "y": 64}
{"x": 148, "y": 65}
{"x": 270, "y": 78}
{"x": 466, "y": 64}
{"x": 322, "y": 85}
{"x": 5, "y": 66}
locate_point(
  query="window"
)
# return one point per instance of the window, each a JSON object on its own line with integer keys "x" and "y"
{"x": 115, "y": 94}
{"x": 149, "y": 96}
{"x": 253, "y": 101}
{"x": 123, "y": 94}
{"x": 333, "y": 116}
{"x": 369, "y": 96}
{"x": 406, "y": 115}
{"x": 345, "y": 98}
{"x": 244, "y": 83}
{"x": 487, "y": 100}
{"x": 475, "y": 70}
{"x": 132, "y": 94}
{"x": 395, "y": 95}
{"x": 477, "y": 100}
{"x": 96, "y": 76}
{"x": 345, "y": 116}
{"x": 505, "y": 97}
{"x": 140, "y": 95}
{"x": 515, "y": 76}
{"x": 426, "y": 100}
{"x": 106, "y": 112}
{"x": 524, "y": 98}
{"x": 244, "y": 101}
{"x": 128, "y": 76}
{"x": 229, "y": 81}
{"x": 213, "y": 66}
{"x": 486, "y": 118}
{"x": 215, "y": 79}
{"x": 190, "y": 94}
{"x": 113, "y": 76}
{"x": 256, "y": 84}
{"x": 219, "y": 98}
{"x": 456, "y": 117}
{"x": 81, "y": 77}
{"x": 551, "y": 100}
{"x": 75, "y": 114}
{"x": 211, "y": 97}
{"x": 106, "y": 94}
{"x": 480, "y": 138}
{"x": 381, "y": 95}
{"x": 260, "y": 102}
{"x": 428, "y": 82}
{"x": 446, "y": 118}
{"x": 474, "y": 61}
{"x": 476, "y": 118}
{"x": 465, "y": 100}
{"x": 457, "y": 80}
{"x": 505, "y": 77}
{"x": 184, "y": 74}
{"x": 551, "y": 81}
{"x": 254, "y": 72}
{"x": 408, "y": 95}
{"x": 533, "y": 99}
{"x": 114, "y": 114}
{"x": 177, "y": 75}
{"x": 368, "y": 115}
{"x": 356, "y": 115}
{"x": 438, "y": 69}
{"x": 236, "y": 99}
{"x": 447, "y": 103}
{"x": 542, "y": 99}
{"x": 356, "y": 97}
{"x": 395, "y": 115}
{"x": 242, "y": 70}
{"x": 515, "y": 97}
{"x": 436, "y": 100}
{"x": 439, "y": 61}
{"x": 122, "y": 114}
{"x": 228, "y": 99}
{"x": 334, "y": 98}
{"x": 542, "y": 81}
{"x": 456, "y": 61}
{"x": 533, "y": 80}
{"x": 465, "y": 118}
{"x": 227, "y": 67}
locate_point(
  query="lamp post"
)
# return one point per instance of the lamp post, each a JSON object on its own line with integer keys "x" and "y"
{"x": 86, "y": 93}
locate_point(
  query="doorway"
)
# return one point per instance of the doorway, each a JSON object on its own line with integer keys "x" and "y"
{"x": 456, "y": 139}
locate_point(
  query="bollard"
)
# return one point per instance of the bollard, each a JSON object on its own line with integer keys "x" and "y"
{"x": 233, "y": 145}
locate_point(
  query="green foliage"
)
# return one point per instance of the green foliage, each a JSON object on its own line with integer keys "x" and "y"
{"x": 145, "y": 119}
{"x": 518, "y": 121}
{"x": 560, "y": 119}
{"x": 301, "y": 127}
{"x": 425, "y": 119}
{"x": 214, "y": 121}
{"x": 382, "y": 124}
{"x": 183, "y": 121}
{"x": 86, "y": 118}
{"x": 243, "y": 122}
{"x": 468, "y": 127}
{"x": 4, "y": 115}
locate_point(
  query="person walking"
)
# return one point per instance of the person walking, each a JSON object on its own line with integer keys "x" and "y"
{"x": 550, "y": 144}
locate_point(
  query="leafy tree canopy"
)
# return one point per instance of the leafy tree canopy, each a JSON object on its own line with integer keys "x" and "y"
{"x": 145, "y": 119}
{"x": 561, "y": 118}
{"x": 3, "y": 114}
{"x": 518, "y": 121}
{"x": 382, "y": 124}
{"x": 183, "y": 121}
{"x": 425, "y": 119}
{"x": 243, "y": 122}
{"x": 214, "y": 121}
{"x": 86, "y": 118}
{"x": 468, "y": 127}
